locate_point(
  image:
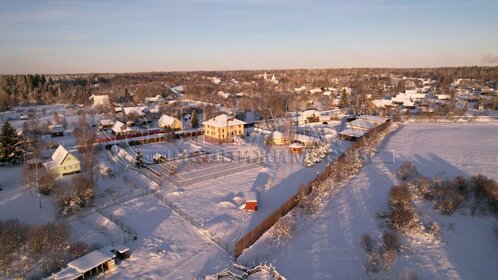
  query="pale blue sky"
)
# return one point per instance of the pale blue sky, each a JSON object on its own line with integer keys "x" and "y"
{"x": 76, "y": 36}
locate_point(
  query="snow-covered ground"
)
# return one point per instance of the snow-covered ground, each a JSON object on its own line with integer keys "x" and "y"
{"x": 219, "y": 203}
{"x": 167, "y": 246}
{"x": 328, "y": 247}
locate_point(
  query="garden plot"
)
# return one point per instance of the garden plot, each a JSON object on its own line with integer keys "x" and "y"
{"x": 167, "y": 246}
{"x": 170, "y": 150}
{"x": 328, "y": 247}
{"x": 228, "y": 160}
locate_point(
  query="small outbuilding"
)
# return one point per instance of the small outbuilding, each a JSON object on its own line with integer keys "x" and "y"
{"x": 56, "y": 130}
{"x": 251, "y": 201}
{"x": 106, "y": 124}
{"x": 278, "y": 138}
{"x": 296, "y": 148}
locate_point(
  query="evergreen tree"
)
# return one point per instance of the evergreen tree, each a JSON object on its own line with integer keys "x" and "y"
{"x": 344, "y": 100}
{"x": 195, "y": 119}
{"x": 139, "y": 159}
{"x": 11, "y": 148}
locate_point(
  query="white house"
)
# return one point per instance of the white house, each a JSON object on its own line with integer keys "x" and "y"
{"x": 309, "y": 116}
{"x": 100, "y": 100}
{"x": 138, "y": 110}
{"x": 315, "y": 90}
{"x": 300, "y": 89}
{"x": 120, "y": 129}
{"x": 170, "y": 122}
{"x": 156, "y": 99}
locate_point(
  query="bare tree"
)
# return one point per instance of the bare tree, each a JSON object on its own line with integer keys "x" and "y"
{"x": 86, "y": 138}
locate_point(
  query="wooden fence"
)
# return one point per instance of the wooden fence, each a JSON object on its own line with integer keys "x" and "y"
{"x": 249, "y": 238}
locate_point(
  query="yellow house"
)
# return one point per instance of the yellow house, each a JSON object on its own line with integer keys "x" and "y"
{"x": 279, "y": 138}
{"x": 223, "y": 128}
{"x": 62, "y": 163}
{"x": 170, "y": 122}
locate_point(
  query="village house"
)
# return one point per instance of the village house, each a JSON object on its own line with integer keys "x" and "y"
{"x": 62, "y": 163}
{"x": 309, "y": 116}
{"x": 170, "y": 122}
{"x": 278, "y": 138}
{"x": 106, "y": 124}
{"x": 223, "y": 128}
{"x": 305, "y": 140}
{"x": 139, "y": 111}
{"x": 56, "y": 130}
{"x": 121, "y": 129}
{"x": 100, "y": 100}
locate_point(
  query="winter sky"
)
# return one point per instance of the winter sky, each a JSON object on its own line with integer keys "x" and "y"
{"x": 76, "y": 36}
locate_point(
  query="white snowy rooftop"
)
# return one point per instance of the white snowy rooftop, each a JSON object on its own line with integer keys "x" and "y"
{"x": 165, "y": 119}
{"x": 223, "y": 120}
{"x": 120, "y": 127}
{"x": 353, "y": 132}
{"x": 305, "y": 138}
{"x": 375, "y": 119}
{"x": 89, "y": 261}
{"x": 57, "y": 157}
{"x": 67, "y": 273}
{"x": 361, "y": 124}
{"x": 251, "y": 196}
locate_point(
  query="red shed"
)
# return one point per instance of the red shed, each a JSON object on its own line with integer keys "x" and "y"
{"x": 251, "y": 201}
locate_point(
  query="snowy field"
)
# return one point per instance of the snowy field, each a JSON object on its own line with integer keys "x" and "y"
{"x": 327, "y": 246}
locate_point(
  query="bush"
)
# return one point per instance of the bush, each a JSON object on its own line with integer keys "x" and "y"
{"x": 367, "y": 243}
{"x": 48, "y": 238}
{"x": 77, "y": 249}
{"x": 406, "y": 170}
{"x": 373, "y": 263}
{"x": 390, "y": 241}
{"x": 434, "y": 229}
{"x": 449, "y": 201}
{"x": 12, "y": 237}
{"x": 486, "y": 192}
{"x": 423, "y": 187}
{"x": 462, "y": 185}
{"x": 400, "y": 197}
{"x": 402, "y": 218}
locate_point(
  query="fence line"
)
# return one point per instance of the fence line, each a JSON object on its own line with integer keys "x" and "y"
{"x": 252, "y": 236}
{"x": 222, "y": 244}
